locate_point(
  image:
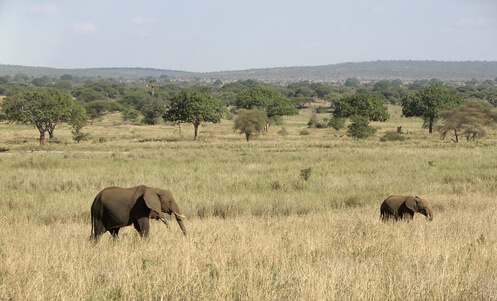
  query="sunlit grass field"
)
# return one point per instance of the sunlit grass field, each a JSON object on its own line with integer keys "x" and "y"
{"x": 257, "y": 229}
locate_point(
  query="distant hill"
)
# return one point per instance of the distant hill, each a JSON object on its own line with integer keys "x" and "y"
{"x": 364, "y": 71}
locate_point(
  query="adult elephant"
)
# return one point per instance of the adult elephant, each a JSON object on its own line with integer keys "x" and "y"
{"x": 115, "y": 207}
{"x": 403, "y": 207}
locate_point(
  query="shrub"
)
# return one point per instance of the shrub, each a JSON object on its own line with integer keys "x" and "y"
{"x": 360, "y": 128}
{"x": 314, "y": 123}
{"x": 304, "y": 133}
{"x": 337, "y": 123}
{"x": 283, "y": 132}
{"x": 80, "y": 136}
{"x": 230, "y": 116}
{"x": 130, "y": 115}
{"x": 306, "y": 173}
{"x": 321, "y": 109}
{"x": 392, "y": 136}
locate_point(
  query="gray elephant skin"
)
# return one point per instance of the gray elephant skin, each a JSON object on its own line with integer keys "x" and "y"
{"x": 115, "y": 207}
{"x": 399, "y": 207}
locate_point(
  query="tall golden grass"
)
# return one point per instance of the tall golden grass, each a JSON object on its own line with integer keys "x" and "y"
{"x": 257, "y": 228}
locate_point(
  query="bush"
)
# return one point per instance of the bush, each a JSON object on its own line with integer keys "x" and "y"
{"x": 130, "y": 115}
{"x": 306, "y": 173}
{"x": 392, "y": 136}
{"x": 360, "y": 128}
{"x": 79, "y": 136}
{"x": 337, "y": 123}
{"x": 283, "y": 132}
{"x": 314, "y": 123}
{"x": 321, "y": 109}
{"x": 304, "y": 133}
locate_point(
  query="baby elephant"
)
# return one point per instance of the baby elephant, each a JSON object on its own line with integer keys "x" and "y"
{"x": 403, "y": 207}
{"x": 115, "y": 207}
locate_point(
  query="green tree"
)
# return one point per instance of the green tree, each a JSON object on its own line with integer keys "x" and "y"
{"x": 152, "y": 109}
{"x": 152, "y": 85}
{"x": 134, "y": 98}
{"x": 266, "y": 99}
{"x": 88, "y": 95}
{"x": 3, "y": 80}
{"x": 98, "y": 108}
{"x": 381, "y": 86}
{"x": 251, "y": 122}
{"x": 352, "y": 82}
{"x": 370, "y": 106}
{"x": 40, "y": 81}
{"x": 300, "y": 102}
{"x": 195, "y": 108}
{"x": 68, "y": 77}
{"x": 78, "y": 119}
{"x": 42, "y": 107}
{"x": 429, "y": 101}
{"x": 322, "y": 91}
{"x": 130, "y": 115}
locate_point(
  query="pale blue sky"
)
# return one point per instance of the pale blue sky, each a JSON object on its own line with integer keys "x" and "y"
{"x": 219, "y": 35}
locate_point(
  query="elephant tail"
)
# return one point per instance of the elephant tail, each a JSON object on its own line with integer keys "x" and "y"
{"x": 96, "y": 223}
{"x": 92, "y": 235}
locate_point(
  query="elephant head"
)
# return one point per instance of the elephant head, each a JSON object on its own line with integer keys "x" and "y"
{"x": 419, "y": 205}
{"x": 162, "y": 201}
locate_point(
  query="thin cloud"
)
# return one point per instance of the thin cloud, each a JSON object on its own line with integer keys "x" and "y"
{"x": 144, "y": 20}
{"x": 42, "y": 9}
{"x": 83, "y": 28}
{"x": 477, "y": 22}
{"x": 378, "y": 9}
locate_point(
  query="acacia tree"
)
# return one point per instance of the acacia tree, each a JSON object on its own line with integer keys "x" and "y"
{"x": 469, "y": 119}
{"x": 97, "y": 109}
{"x": 429, "y": 101}
{"x": 250, "y": 122}
{"x": 266, "y": 99}
{"x": 42, "y": 107}
{"x": 194, "y": 107}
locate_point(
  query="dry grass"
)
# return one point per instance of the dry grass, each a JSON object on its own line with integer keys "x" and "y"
{"x": 257, "y": 229}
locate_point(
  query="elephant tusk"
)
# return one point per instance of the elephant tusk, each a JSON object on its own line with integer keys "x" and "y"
{"x": 179, "y": 215}
{"x": 165, "y": 222}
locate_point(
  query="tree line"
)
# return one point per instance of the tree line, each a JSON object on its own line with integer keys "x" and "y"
{"x": 45, "y": 102}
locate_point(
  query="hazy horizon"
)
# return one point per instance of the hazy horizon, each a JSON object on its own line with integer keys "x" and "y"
{"x": 221, "y": 35}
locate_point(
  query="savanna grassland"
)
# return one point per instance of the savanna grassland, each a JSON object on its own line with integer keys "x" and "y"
{"x": 257, "y": 230}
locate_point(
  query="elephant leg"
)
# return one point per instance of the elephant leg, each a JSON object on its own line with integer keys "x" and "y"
{"x": 97, "y": 229}
{"x": 385, "y": 216}
{"x": 142, "y": 225}
{"x": 114, "y": 232}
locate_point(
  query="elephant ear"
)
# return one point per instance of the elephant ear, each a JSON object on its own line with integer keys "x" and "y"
{"x": 412, "y": 204}
{"x": 152, "y": 201}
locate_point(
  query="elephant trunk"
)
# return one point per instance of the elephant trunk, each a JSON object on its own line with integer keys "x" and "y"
{"x": 429, "y": 215}
{"x": 181, "y": 225}
{"x": 179, "y": 219}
